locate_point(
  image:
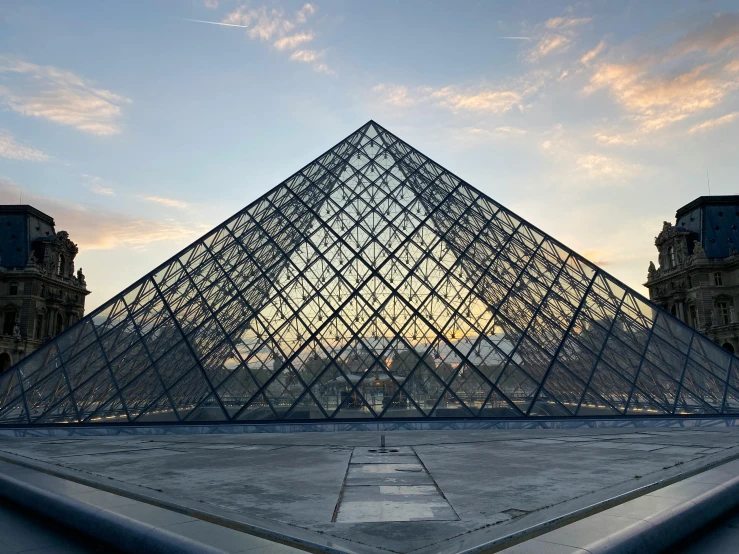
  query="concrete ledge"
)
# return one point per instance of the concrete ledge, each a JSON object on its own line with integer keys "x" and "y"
{"x": 649, "y": 524}
{"x": 274, "y": 532}
{"x": 122, "y": 532}
{"x": 102, "y": 429}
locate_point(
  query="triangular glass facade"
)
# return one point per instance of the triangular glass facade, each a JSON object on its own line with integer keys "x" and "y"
{"x": 373, "y": 283}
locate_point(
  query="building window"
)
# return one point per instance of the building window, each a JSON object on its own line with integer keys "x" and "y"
{"x": 693, "y": 317}
{"x": 8, "y": 323}
{"x": 39, "y": 326}
{"x": 690, "y": 282}
{"x": 723, "y": 312}
{"x": 60, "y": 268}
{"x": 5, "y": 362}
{"x": 671, "y": 257}
{"x": 13, "y": 289}
{"x": 717, "y": 279}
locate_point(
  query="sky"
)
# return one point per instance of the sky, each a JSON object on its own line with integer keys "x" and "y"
{"x": 140, "y": 125}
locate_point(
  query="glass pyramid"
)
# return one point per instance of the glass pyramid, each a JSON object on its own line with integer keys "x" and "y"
{"x": 373, "y": 283}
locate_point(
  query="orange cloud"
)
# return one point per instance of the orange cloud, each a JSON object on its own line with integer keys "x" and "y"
{"x": 475, "y": 98}
{"x": 713, "y": 123}
{"x": 554, "y": 36}
{"x": 96, "y": 229}
{"x": 656, "y": 95}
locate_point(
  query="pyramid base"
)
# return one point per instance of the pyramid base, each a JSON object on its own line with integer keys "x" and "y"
{"x": 297, "y": 426}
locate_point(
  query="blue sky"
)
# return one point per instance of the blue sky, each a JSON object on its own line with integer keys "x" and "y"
{"x": 138, "y": 129}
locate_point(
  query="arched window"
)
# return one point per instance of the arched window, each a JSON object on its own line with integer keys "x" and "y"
{"x": 13, "y": 289}
{"x": 728, "y": 347}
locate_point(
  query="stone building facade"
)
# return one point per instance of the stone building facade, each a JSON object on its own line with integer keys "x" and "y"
{"x": 697, "y": 276}
{"x": 40, "y": 293}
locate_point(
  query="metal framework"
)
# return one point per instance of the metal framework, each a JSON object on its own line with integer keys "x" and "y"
{"x": 372, "y": 283}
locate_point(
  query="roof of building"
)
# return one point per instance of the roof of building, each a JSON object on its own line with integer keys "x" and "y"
{"x": 8, "y": 209}
{"x": 715, "y": 222}
{"x": 16, "y": 234}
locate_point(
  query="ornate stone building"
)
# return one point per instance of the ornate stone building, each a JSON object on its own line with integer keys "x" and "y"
{"x": 698, "y": 275}
{"x": 40, "y": 294}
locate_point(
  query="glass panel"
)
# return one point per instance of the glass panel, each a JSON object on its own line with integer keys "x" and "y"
{"x": 372, "y": 284}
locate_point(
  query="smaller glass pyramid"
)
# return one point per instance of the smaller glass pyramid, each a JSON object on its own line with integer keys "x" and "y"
{"x": 372, "y": 283}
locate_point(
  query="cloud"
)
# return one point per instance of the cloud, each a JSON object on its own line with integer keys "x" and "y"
{"x": 96, "y": 229}
{"x": 98, "y": 185}
{"x": 601, "y": 166}
{"x": 486, "y": 100}
{"x": 566, "y": 22}
{"x": 626, "y": 139}
{"x": 13, "y": 150}
{"x": 210, "y": 4}
{"x": 59, "y": 96}
{"x": 549, "y": 44}
{"x": 306, "y": 56}
{"x": 305, "y": 12}
{"x": 554, "y": 36}
{"x": 594, "y": 53}
{"x": 314, "y": 58}
{"x": 480, "y": 99}
{"x": 292, "y": 41}
{"x": 656, "y": 100}
{"x": 323, "y": 68}
{"x": 713, "y": 123}
{"x": 475, "y": 135}
{"x": 395, "y": 95}
{"x": 722, "y": 33}
{"x": 167, "y": 201}
{"x": 272, "y": 24}
{"x": 662, "y": 87}
{"x": 510, "y": 131}
{"x": 581, "y": 164}
{"x": 263, "y": 23}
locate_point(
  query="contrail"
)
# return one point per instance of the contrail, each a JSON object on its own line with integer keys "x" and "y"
{"x": 516, "y": 38}
{"x": 214, "y": 23}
